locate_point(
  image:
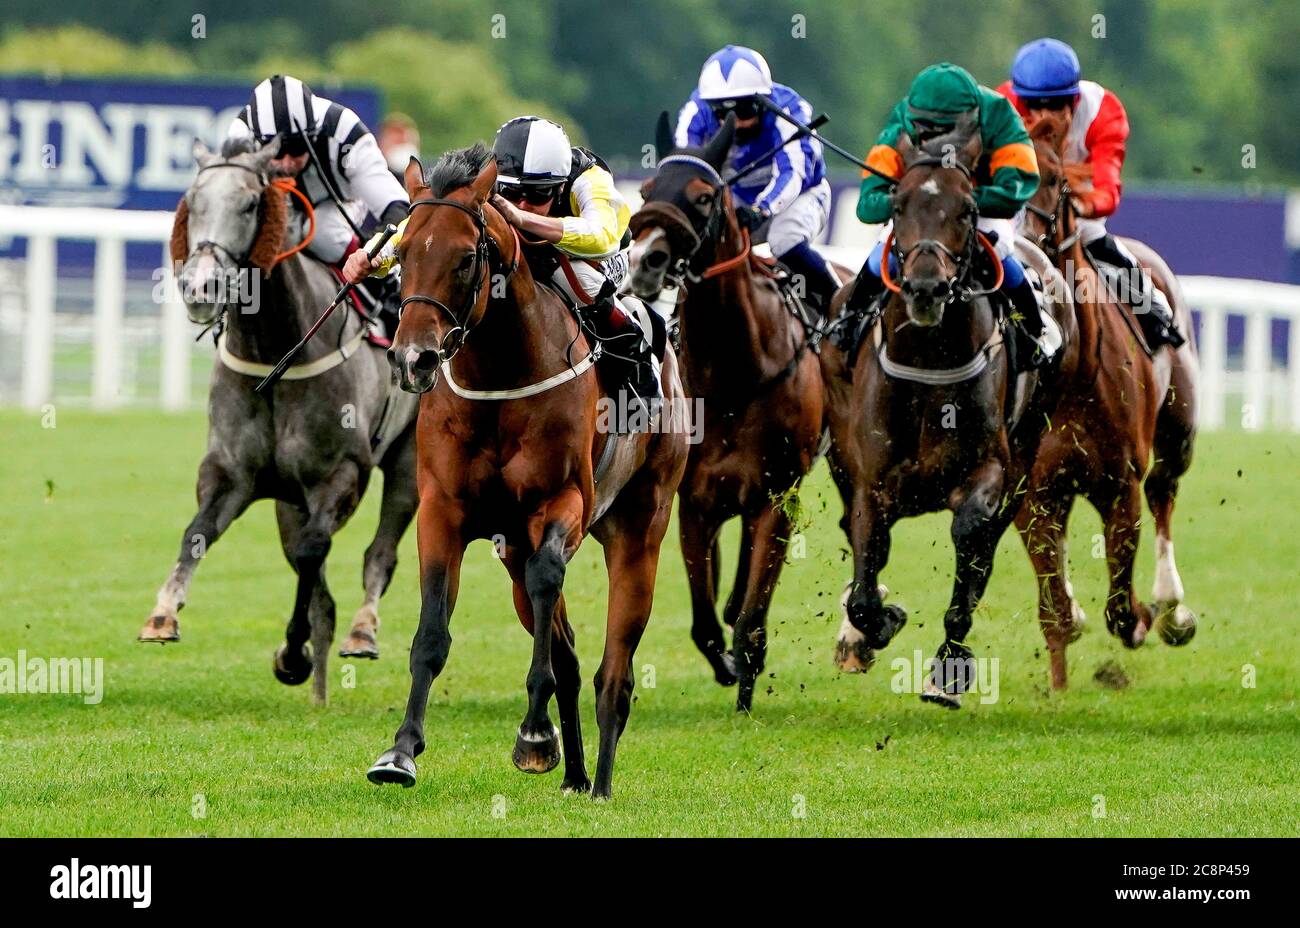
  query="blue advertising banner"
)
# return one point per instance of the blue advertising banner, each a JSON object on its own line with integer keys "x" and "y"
{"x": 118, "y": 143}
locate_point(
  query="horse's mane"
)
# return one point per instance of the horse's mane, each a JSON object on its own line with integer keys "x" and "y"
{"x": 457, "y": 168}
{"x": 238, "y": 145}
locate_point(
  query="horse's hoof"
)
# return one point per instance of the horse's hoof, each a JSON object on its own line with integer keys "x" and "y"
{"x": 537, "y": 753}
{"x": 932, "y": 694}
{"x": 160, "y": 629}
{"x": 724, "y": 669}
{"x": 1175, "y": 623}
{"x": 361, "y": 644}
{"x": 893, "y": 618}
{"x": 291, "y": 673}
{"x": 393, "y": 767}
{"x": 853, "y": 656}
{"x": 575, "y": 786}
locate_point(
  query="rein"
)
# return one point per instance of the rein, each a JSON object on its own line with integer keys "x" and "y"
{"x": 284, "y": 185}
{"x": 1054, "y": 220}
{"x": 957, "y": 292}
{"x": 454, "y": 338}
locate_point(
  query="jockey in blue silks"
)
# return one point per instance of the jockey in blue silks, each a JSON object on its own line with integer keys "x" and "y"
{"x": 788, "y": 191}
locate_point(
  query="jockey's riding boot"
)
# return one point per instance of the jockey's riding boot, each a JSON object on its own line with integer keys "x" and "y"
{"x": 819, "y": 281}
{"x": 1024, "y": 301}
{"x": 626, "y": 356}
{"x": 866, "y": 287}
{"x": 1149, "y": 302}
{"x": 388, "y": 304}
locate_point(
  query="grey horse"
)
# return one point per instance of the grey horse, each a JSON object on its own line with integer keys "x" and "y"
{"x": 310, "y": 443}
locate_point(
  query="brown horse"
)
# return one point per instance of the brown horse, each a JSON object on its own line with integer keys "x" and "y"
{"x": 746, "y": 362}
{"x": 1117, "y": 406}
{"x": 508, "y": 445}
{"x": 929, "y": 417}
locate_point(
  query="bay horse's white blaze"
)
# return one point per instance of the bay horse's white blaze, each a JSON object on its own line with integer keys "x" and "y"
{"x": 931, "y": 187}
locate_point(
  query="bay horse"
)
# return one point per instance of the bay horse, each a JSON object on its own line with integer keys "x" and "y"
{"x": 746, "y": 360}
{"x": 928, "y": 417}
{"x": 510, "y": 447}
{"x": 312, "y": 443}
{"x": 1117, "y": 408}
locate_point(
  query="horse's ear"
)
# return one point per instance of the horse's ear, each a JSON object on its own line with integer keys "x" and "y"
{"x": 486, "y": 181}
{"x": 664, "y": 143}
{"x": 647, "y": 188}
{"x": 263, "y": 156}
{"x": 202, "y": 154}
{"x": 414, "y": 176}
{"x": 967, "y": 136}
{"x": 715, "y": 152}
{"x": 905, "y": 147}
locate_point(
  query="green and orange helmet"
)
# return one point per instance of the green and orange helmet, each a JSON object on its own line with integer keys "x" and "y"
{"x": 939, "y": 96}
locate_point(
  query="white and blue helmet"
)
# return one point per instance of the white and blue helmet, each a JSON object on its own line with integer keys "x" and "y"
{"x": 733, "y": 73}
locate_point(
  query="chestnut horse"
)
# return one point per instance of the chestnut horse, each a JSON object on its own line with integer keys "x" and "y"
{"x": 746, "y": 362}
{"x": 508, "y": 441}
{"x": 931, "y": 417}
{"x": 1117, "y": 406}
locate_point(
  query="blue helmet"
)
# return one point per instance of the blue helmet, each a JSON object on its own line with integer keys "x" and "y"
{"x": 1045, "y": 68}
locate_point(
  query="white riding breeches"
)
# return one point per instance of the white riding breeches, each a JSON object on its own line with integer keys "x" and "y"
{"x": 801, "y": 221}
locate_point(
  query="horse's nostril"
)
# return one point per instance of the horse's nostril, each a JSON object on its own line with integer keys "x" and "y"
{"x": 656, "y": 260}
{"x": 426, "y": 362}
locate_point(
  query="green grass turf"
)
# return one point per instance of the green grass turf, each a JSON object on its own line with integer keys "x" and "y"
{"x": 90, "y": 519}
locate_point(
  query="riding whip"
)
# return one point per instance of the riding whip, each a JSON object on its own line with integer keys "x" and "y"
{"x": 762, "y": 159}
{"x": 811, "y": 132}
{"x": 278, "y": 371}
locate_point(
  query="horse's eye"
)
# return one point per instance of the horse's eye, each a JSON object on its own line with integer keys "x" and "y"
{"x": 249, "y": 206}
{"x": 466, "y": 262}
{"x": 704, "y": 199}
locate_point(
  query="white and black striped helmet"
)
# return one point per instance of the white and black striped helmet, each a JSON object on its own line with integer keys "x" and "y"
{"x": 532, "y": 151}
{"x": 281, "y": 105}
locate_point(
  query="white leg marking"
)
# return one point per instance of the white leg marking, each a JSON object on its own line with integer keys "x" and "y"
{"x": 1168, "y": 586}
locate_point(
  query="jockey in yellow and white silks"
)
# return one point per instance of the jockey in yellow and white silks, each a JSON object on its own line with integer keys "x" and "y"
{"x": 554, "y": 192}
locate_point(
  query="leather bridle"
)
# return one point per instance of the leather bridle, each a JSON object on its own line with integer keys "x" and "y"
{"x": 454, "y": 338}
{"x": 262, "y": 178}
{"x": 963, "y": 262}
{"x": 1054, "y": 220}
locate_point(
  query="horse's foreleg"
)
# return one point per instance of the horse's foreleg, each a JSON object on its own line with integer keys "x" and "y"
{"x": 699, "y": 534}
{"x": 329, "y": 505}
{"x": 1042, "y": 523}
{"x": 221, "y": 500}
{"x": 1121, "y": 513}
{"x": 441, "y": 551}
{"x": 396, "y": 510}
{"x": 869, "y": 624}
{"x": 767, "y": 533}
{"x": 537, "y": 745}
{"x": 980, "y": 516}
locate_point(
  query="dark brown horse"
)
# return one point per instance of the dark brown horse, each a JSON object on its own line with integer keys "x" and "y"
{"x": 1117, "y": 406}
{"x": 925, "y": 421}
{"x": 508, "y": 445}
{"x": 746, "y": 363}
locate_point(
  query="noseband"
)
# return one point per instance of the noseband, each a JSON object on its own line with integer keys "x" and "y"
{"x": 963, "y": 262}
{"x": 454, "y": 338}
